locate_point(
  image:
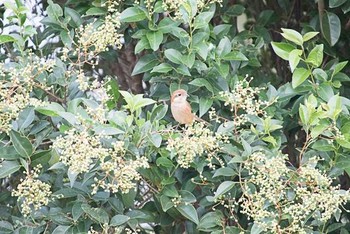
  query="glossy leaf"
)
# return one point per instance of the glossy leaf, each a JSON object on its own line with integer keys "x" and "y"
{"x": 293, "y": 36}
{"x": 162, "y": 68}
{"x": 6, "y": 38}
{"x": 146, "y": 63}
{"x": 8, "y": 167}
{"x": 132, "y": 14}
{"x": 173, "y": 55}
{"x": 224, "y": 187}
{"x": 202, "y": 19}
{"x": 315, "y": 56}
{"x": 189, "y": 212}
{"x": 294, "y": 58}
{"x": 282, "y": 49}
{"x": 331, "y": 27}
{"x": 299, "y": 76}
{"x": 154, "y": 39}
{"x": 336, "y": 3}
{"x": 22, "y": 144}
{"x": 309, "y": 35}
{"x": 204, "y": 105}
{"x": 118, "y": 220}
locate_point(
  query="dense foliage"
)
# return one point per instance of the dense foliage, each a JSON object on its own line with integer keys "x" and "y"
{"x": 88, "y": 144}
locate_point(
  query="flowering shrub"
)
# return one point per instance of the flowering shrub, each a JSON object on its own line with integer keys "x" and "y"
{"x": 80, "y": 155}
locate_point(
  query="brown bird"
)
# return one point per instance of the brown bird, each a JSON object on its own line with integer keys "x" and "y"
{"x": 180, "y": 108}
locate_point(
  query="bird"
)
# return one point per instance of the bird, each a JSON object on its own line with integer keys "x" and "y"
{"x": 180, "y": 108}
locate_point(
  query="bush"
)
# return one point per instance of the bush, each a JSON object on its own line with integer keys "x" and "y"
{"x": 81, "y": 155}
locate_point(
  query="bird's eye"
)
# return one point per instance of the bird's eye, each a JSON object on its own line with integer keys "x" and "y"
{"x": 179, "y": 94}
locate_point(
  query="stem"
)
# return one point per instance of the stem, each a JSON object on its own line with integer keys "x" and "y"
{"x": 320, "y": 5}
{"x": 60, "y": 100}
{"x": 305, "y": 146}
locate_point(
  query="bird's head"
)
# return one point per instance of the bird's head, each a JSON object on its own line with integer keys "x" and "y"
{"x": 179, "y": 96}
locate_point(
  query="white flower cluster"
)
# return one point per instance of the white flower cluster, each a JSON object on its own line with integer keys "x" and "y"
{"x": 79, "y": 149}
{"x": 204, "y": 3}
{"x": 243, "y": 101}
{"x": 92, "y": 41}
{"x": 195, "y": 140}
{"x": 32, "y": 193}
{"x": 119, "y": 173}
{"x": 282, "y": 194}
{"x": 16, "y": 85}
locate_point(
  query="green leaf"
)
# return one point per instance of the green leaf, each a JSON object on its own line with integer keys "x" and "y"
{"x": 188, "y": 59}
{"x": 156, "y": 139}
{"x": 51, "y": 109}
{"x": 21, "y": 144}
{"x": 6, "y": 38}
{"x": 135, "y": 102}
{"x": 159, "y": 112}
{"x": 315, "y": 56}
{"x": 201, "y": 82}
{"x": 235, "y": 56}
{"x": 141, "y": 101}
{"x": 336, "y": 3}
{"x": 54, "y": 11}
{"x": 235, "y": 10}
{"x": 113, "y": 92}
{"x": 204, "y": 105}
{"x": 67, "y": 38}
{"x": 165, "y": 162}
{"x": 162, "y": 68}
{"x": 308, "y": 36}
{"x": 144, "y": 64}
{"x": 25, "y": 118}
{"x": 8, "y": 167}
{"x": 299, "y": 76}
{"x": 61, "y": 229}
{"x": 338, "y": 67}
{"x": 331, "y": 27}
{"x": 294, "y": 58}
{"x": 9, "y": 152}
{"x": 346, "y": 7}
{"x": 76, "y": 20}
{"x": 166, "y": 203}
{"x": 319, "y": 129}
{"x": 154, "y": 39}
{"x": 189, "y": 212}
{"x": 202, "y": 20}
{"x": 292, "y": 35}
{"x": 210, "y": 220}
{"x": 202, "y": 49}
{"x": 77, "y": 211}
{"x": 282, "y": 49}
{"x": 142, "y": 44}
{"x": 118, "y": 220}
{"x": 224, "y": 47}
{"x": 96, "y": 214}
{"x": 224, "y": 171}
{"x": 182, "y": 69}
{"x": 221, "y": 29}
{"x": 187, "y": 196}
{"x": 335, "y": 107}
{"x": 166, "y": 25}
{"x": 256, "y": 229}
{"x": 223, "y": 188}
{"x": 320, "y": 74}
{"x": 173, "y": 55}
{"x": 6, "y": 227}
{"x": 96, "y": 11}
{"x": 132, "y": 14}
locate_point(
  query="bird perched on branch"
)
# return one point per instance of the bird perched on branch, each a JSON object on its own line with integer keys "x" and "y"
{"x": 181, "y": 109}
